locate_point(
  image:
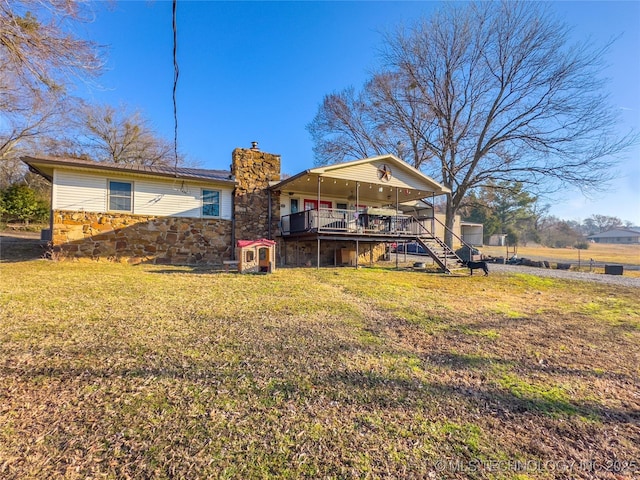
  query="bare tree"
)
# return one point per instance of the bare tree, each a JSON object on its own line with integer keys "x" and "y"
{"x": 28, "y": 123}
{"x": 353, "y": 132}
{"x": 486, "y": 92}
{"x": 39, "y": 59}
{"x": 37, "y": 47}
{"x": 601, "y": 223}
{"x": 114, "y": 135}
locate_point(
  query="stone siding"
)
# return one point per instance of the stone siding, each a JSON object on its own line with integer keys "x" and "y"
{"x": 139, "y": 238}
{"x": 304, "y": 253}
{"x": 253, "y": 170}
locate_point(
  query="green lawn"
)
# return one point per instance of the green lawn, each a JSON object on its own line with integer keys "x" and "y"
{"x": 116, "y": 371}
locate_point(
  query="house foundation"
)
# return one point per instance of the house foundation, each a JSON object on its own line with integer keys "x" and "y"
{"x": 298, "y": 253}
{"x": 140, "y": 238}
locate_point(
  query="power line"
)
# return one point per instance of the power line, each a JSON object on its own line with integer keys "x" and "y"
{"x": 176, "y": 74}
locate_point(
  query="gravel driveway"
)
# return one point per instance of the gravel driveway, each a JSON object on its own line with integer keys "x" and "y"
{"x": 584, "y": 276}
{"x": 542, "y": 272}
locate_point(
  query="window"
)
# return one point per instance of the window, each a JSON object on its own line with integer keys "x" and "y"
{"x": 210, "y": 203}
{"x": 248, "y": 256}
{"x": 294, "y": 205}
{"x": 120, "y": 196}
{"x": 313, "y": 204}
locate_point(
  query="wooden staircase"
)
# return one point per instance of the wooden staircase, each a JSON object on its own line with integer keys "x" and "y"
{"x": 442, "y": 255}
{"x": 439, "y": 251}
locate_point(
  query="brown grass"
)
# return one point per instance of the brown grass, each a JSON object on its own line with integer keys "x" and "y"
{"x": 113, "y": 371}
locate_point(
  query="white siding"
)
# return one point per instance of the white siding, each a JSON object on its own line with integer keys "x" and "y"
{"x": 155, "y": 197}
{"x": 286, "y": 201}
{"x": 368, "y": 173}
{"x": 78, "y": 191}
{"x": 74, "y": 190}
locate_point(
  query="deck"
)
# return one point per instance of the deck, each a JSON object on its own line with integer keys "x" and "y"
{"x": 374, "y": 224}
{"x": 370, "y": 225}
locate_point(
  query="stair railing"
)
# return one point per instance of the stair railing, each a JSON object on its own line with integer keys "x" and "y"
{"x": 441, "y": 243}
{"x": 454, "y": 234}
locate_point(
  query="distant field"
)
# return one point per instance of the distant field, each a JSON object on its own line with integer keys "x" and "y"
{"x": 116, "y": 371}
{"x": 600, "y": 253}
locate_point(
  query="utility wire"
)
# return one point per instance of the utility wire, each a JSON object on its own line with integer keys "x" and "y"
{"x": 176, "y": 74}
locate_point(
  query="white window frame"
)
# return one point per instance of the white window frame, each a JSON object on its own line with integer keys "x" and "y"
{"x": 202, "y": 204}
{"x": 130, "y": 183}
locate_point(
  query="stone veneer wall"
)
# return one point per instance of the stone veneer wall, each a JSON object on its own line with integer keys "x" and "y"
{"x": 140, "y": 238}
{"x": 253, "y": 170}
{"x": 304, "y": 253}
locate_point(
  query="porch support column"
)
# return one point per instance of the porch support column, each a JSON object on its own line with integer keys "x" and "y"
{"x": 397, "y": 207}
{"x": 357, "y": 203}
{"x": 433, "y": 214}
{"x": 269, "y": 215}
{"x": 396, "y": 228}
{"x": 357, "y": 251}
{"x": 318, "y": 226}
{"x": 318, "y": 207}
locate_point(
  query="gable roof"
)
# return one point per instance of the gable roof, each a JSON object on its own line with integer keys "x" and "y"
{"x": 618, "y": 232}
{"x": 258, "y": 243}
{"x": 382, "y": 170}
{"x": 45, "y": 165}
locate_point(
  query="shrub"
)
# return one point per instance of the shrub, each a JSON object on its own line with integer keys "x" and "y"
{"x": 19, "y": 202}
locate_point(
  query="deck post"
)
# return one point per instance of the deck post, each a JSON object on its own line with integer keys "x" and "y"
{"x": 433, "y": 214}
{"x": 318, "y": 226}
{"x": 395, "y": 228}
{"x": 269, "y": 214}
{"x": 397, "y": 244}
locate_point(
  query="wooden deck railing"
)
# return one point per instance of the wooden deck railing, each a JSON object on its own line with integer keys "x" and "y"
{"x": 333, "y": 220}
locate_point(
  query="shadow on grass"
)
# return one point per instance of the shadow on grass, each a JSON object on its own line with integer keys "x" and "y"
{"x": 464, "y": 362}
{"x": 189, "y": 270}
{"x": 368, "y": 388}
{"x": 21, "y": 250}
{"x": 362, "y": 388}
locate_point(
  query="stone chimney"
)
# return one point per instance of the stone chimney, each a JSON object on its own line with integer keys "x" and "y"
{"x": 253, "y": 170}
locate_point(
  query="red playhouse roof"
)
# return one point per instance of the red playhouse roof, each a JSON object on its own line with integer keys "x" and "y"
{"x": 251, "y": 243}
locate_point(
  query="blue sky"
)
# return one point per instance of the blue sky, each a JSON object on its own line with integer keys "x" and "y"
{"x": 253, "y": 70}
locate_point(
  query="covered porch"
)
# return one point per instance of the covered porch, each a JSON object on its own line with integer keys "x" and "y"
{"x": 363, "y": 197}
{"x": 366, "y": 202}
